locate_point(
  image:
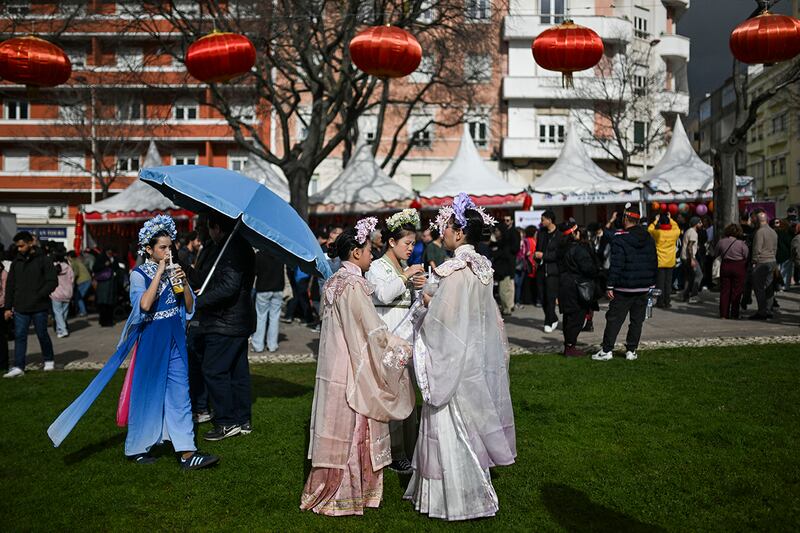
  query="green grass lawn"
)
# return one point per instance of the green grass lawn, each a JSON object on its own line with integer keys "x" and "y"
{"x": 682, "y": 440}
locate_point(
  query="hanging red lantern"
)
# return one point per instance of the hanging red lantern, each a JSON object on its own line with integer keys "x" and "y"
{"x": 386, "y": 52}
{"x": 34, "y": 62}
{"x": 655, "y": 206}
{"x": 673, "y": 209}
{"x": 767, "y": 38}
{"x": 567, "y": 48}
{"x": 220, "y": 57}
{"x": 527, "y": 202}
{"x": 415, "y": 204}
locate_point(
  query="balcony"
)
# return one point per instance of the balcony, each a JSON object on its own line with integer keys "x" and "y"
{"x": 531, "y": 148}
{"x": 673, "y": 102}
{"x": 549, "y": 88}
{"x": 673, "y": 47}
{"x": 679, "y": 7}
{"x": 610, "y": 29}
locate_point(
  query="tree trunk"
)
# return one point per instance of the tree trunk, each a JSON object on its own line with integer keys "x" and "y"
{"x": 726, "y": 205}
{"x": 299, "y": 179}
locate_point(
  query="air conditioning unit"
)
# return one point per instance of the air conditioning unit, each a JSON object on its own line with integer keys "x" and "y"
{"x": 56, "y": 211}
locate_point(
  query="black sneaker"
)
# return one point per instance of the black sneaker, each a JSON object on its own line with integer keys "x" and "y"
{"x": 402, "y": 466}
{"x": 201, "y": 417}
{"x": 143, "y": 459}
{"x": 198, "y": 460}
{"x": 246, "y": 428}
{"x": 222, "y": 432}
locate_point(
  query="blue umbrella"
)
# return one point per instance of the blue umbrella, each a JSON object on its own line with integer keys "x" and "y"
{"x": 263, "y": 218}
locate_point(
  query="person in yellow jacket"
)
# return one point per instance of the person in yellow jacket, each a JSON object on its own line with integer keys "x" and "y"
{"x": 666, "y": 233}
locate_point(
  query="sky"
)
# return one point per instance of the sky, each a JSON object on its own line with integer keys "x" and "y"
{"x": 709, "y": 24}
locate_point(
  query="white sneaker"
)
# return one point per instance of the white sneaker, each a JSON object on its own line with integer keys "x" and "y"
{"x": 631, "y": 356}
{"x": 551, "y": 327}
{"x": 49, "y": 366}
{"x": 602, "y": 356}
{"x": 62, "y": 335}
{"x": 15, "y": 372}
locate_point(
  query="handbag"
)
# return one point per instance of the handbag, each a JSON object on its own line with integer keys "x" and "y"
{"x": 585, "y": 291}
{"x": 716, "y": 266}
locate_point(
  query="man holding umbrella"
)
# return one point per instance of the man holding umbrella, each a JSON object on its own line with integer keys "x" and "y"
{"x": 227, "y": 319}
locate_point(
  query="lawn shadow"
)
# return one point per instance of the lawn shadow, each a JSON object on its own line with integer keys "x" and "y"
{"x": 271, "y": 387}
{"x": 574, "y": 511}
{"x": 94, "y": 448}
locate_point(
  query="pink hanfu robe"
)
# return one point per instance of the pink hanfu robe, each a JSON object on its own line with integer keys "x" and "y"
{"x": 461, "y": 364}
{"x": 362, "y": 383}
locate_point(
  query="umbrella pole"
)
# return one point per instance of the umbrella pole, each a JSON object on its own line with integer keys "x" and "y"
{"x": 219, "y": 256}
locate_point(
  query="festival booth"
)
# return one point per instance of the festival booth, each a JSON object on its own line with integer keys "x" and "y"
{"x": 115, "y": 221}
{"x": 575, "y": 186}
{"x": 681, "y": 177}
{"x": 362, "y": 187}
{"x": 469, "y": 173}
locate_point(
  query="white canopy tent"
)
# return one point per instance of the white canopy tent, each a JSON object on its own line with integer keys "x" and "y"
{"x": 268, "y": 175}
{"x": 362, "y": 187}
{"x": 682, "y": 176}
{"x": 574, "y": 179}
{"x": 469, "y": 173}
{"x": 139, "y": 201}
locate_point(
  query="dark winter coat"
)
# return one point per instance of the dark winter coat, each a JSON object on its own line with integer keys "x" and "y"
{"x": 226, "y": 306}
{"x": 548, "y": 245}
{"x": 269, "y": 273}
{"x": 576, "y": 262}
{"x": 30, "y": 281}
{"x": 634, "y": 263}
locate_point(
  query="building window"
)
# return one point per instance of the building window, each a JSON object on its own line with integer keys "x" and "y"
{"x": 479, "y": 131}
{"x": 640, "y": 27}
{"x": 779, "y": 124}
{"x": 704, "y": 112}
{"x": 237, "y": 161}
{"x": 420, "y": 182}
{"x": 477, "y": 68}
{"x": 640, "y": 133}
{"x": 18, "y": 9}
{"x": 551, "y": 130}
{"x": 72, "y": 113}
{"x": 129, "y": 58}
{"x": 77, "y": 56}
{"x": 130, "y": 110}
{"x": 187, "y": 8}
{"x": 313, "y": 184}
{"x": 301, "y": 124}
{"x": 16, "y": 161}
{"x": 185, "y": 159}
{"x": 421, "y": 138}
{"x": 782, "y": 166}
{"x": 424, "y": 71}
{"x": 128, "y": 163}
{"x": 71, "y": 162}
{"x": 639, "y": 84}
{"x": 244, "y": 112}
{"x": 186, "y": 110}
{"x": 16, "y": 110}
{"x": 477, "y": 10}
{"x": 773, "y": 167}
{"x": 427, "y": 13}
{"x": 552, "y": 11}
{"x": 728, "y": 95}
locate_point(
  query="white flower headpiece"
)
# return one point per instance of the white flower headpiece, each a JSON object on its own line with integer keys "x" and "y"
{"x": 461, "y": 203}
{"x": 364, "y": 228}
{"x": 406, "y": 216}
{"x": 153, "y": 226}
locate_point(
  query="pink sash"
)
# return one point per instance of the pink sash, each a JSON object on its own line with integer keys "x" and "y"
{"x": 125, "y": 395}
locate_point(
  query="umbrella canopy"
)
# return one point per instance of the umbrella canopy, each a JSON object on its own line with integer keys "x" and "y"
{"x": 362, "y": 187}
{"x": 268, "y": 222}
{"x": 574, "y": 179}
{"x": 469, "y": 173}
{"x": 268, "y": 175}
{"x": 137, "y": 202}
{"x": 682, "y": 175}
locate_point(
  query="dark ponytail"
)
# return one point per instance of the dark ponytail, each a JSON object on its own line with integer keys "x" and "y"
{"x": 345, "y": 243}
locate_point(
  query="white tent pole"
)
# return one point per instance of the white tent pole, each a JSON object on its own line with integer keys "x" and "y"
{"x": 219, "y": 256}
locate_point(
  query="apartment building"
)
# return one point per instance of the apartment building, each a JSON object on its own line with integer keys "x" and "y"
{"x": 539, "y": 108}
{"x": 61, "y": 147}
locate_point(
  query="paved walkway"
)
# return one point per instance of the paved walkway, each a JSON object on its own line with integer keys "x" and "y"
{"x": 89, "y": 345}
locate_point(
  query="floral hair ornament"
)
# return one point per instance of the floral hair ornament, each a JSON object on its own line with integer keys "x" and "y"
{"x": 153, "y": 226}
{"x": 461, "y": 203}
{"x": 406, "y": 216}
{"x": 364, "y": 228}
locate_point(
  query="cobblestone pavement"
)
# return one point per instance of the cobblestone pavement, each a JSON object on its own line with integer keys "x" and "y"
{"x": 89, "y": 345}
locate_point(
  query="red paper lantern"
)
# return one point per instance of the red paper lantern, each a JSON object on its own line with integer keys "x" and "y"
{"x": 386, "y": 52}
{"x": 767, "y": 38}
{"x": 567, "y": 48}
{"x": 655, "y": 206}
{"x": 220, "y": 57}
{"x": 34, "y": 62}
{"x": 527, "y": 202}
{"x": 673, "y": 209}
{"x": 415, "y": 204}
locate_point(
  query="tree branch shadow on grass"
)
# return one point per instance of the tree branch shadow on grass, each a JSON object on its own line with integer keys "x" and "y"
{"x": 574, "y": 511}
{"x": 94, "y": 448}
{"x": 271, "y": 387}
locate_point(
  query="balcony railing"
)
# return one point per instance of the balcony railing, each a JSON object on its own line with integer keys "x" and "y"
{"x": 551, "y": 88}
{"x": 533, "y": 148}
{"x": 674, "y": 47}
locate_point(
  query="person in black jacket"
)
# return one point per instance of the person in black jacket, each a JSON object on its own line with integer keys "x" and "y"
{"x": 504, "y": 258}
{"x": 547, "y": 273}
{"x": 576, "y": 265}
{"x": 633, "y": 271}
{"x": 269, "y": 298}
{"x": 227, "y": 320}
{"x": 31, "y": 279}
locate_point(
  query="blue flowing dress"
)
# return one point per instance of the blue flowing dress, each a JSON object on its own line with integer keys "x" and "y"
{"x": 160, "y": 408}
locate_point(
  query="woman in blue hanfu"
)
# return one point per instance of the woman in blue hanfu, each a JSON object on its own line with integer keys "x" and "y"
{"x": 155, "y": 396}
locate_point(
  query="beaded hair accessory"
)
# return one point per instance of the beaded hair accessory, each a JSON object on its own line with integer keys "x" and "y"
{"x": 153, "y": 226}
{"x": 364, "y": 228}
{"x": 461, "y": 203}
{"x": 406, "y": 216}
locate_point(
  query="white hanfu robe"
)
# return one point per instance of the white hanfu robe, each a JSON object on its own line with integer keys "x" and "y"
{"x": 461, "y": 365}
{"x": 392, "y": 296}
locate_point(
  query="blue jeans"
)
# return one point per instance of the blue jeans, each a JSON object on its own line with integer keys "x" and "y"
{"x": 60, "y": 310}
{"x": 80, "y": 294}
{"x": 22, "y": 322}
{"x": 268, "y": 311}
